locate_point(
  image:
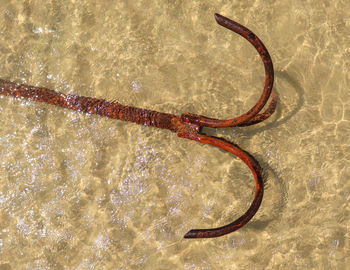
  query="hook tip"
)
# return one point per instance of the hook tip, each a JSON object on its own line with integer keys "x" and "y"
{"x": 191, "y": 234}
{"x": 217, "y": 16}
{"x": 220, "y": 19}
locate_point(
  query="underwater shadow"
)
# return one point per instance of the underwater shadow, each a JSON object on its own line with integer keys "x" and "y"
{"x": 278, "y": 121}
{"x": 276, "y": 211}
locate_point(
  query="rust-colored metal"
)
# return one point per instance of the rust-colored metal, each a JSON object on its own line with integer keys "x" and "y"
{"x": 186, "y": 125}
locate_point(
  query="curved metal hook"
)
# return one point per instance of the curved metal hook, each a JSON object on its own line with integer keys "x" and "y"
{"x": 247, "y": 117}
{"x": 259, "y": 189}
{"x": 251, "y": 117}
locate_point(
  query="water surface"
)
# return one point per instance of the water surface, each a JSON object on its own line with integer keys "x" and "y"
{"x": 84, "y": 192}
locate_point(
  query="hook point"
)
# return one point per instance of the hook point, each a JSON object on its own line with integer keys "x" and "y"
{"x": 217, "y": 16}
{"x": 191, "y": 234}
{"x": 221, "y": 19}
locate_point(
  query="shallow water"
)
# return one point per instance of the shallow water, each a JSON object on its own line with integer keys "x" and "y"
{"x": 84, "y": 192}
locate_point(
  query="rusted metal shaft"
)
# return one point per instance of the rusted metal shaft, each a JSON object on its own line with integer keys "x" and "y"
{"x": 90, "y": 105}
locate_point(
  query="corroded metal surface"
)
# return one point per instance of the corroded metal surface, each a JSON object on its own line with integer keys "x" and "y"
{"x": 186, "y": 125}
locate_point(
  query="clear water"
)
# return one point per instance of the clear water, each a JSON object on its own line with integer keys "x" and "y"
{"x": 83, "y": 192}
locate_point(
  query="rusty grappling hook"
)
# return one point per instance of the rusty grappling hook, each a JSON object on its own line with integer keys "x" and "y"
{"x": 186, "y": 125}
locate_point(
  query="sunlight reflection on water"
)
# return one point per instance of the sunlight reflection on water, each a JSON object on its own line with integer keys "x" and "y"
{"x": 82, "y": 192}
